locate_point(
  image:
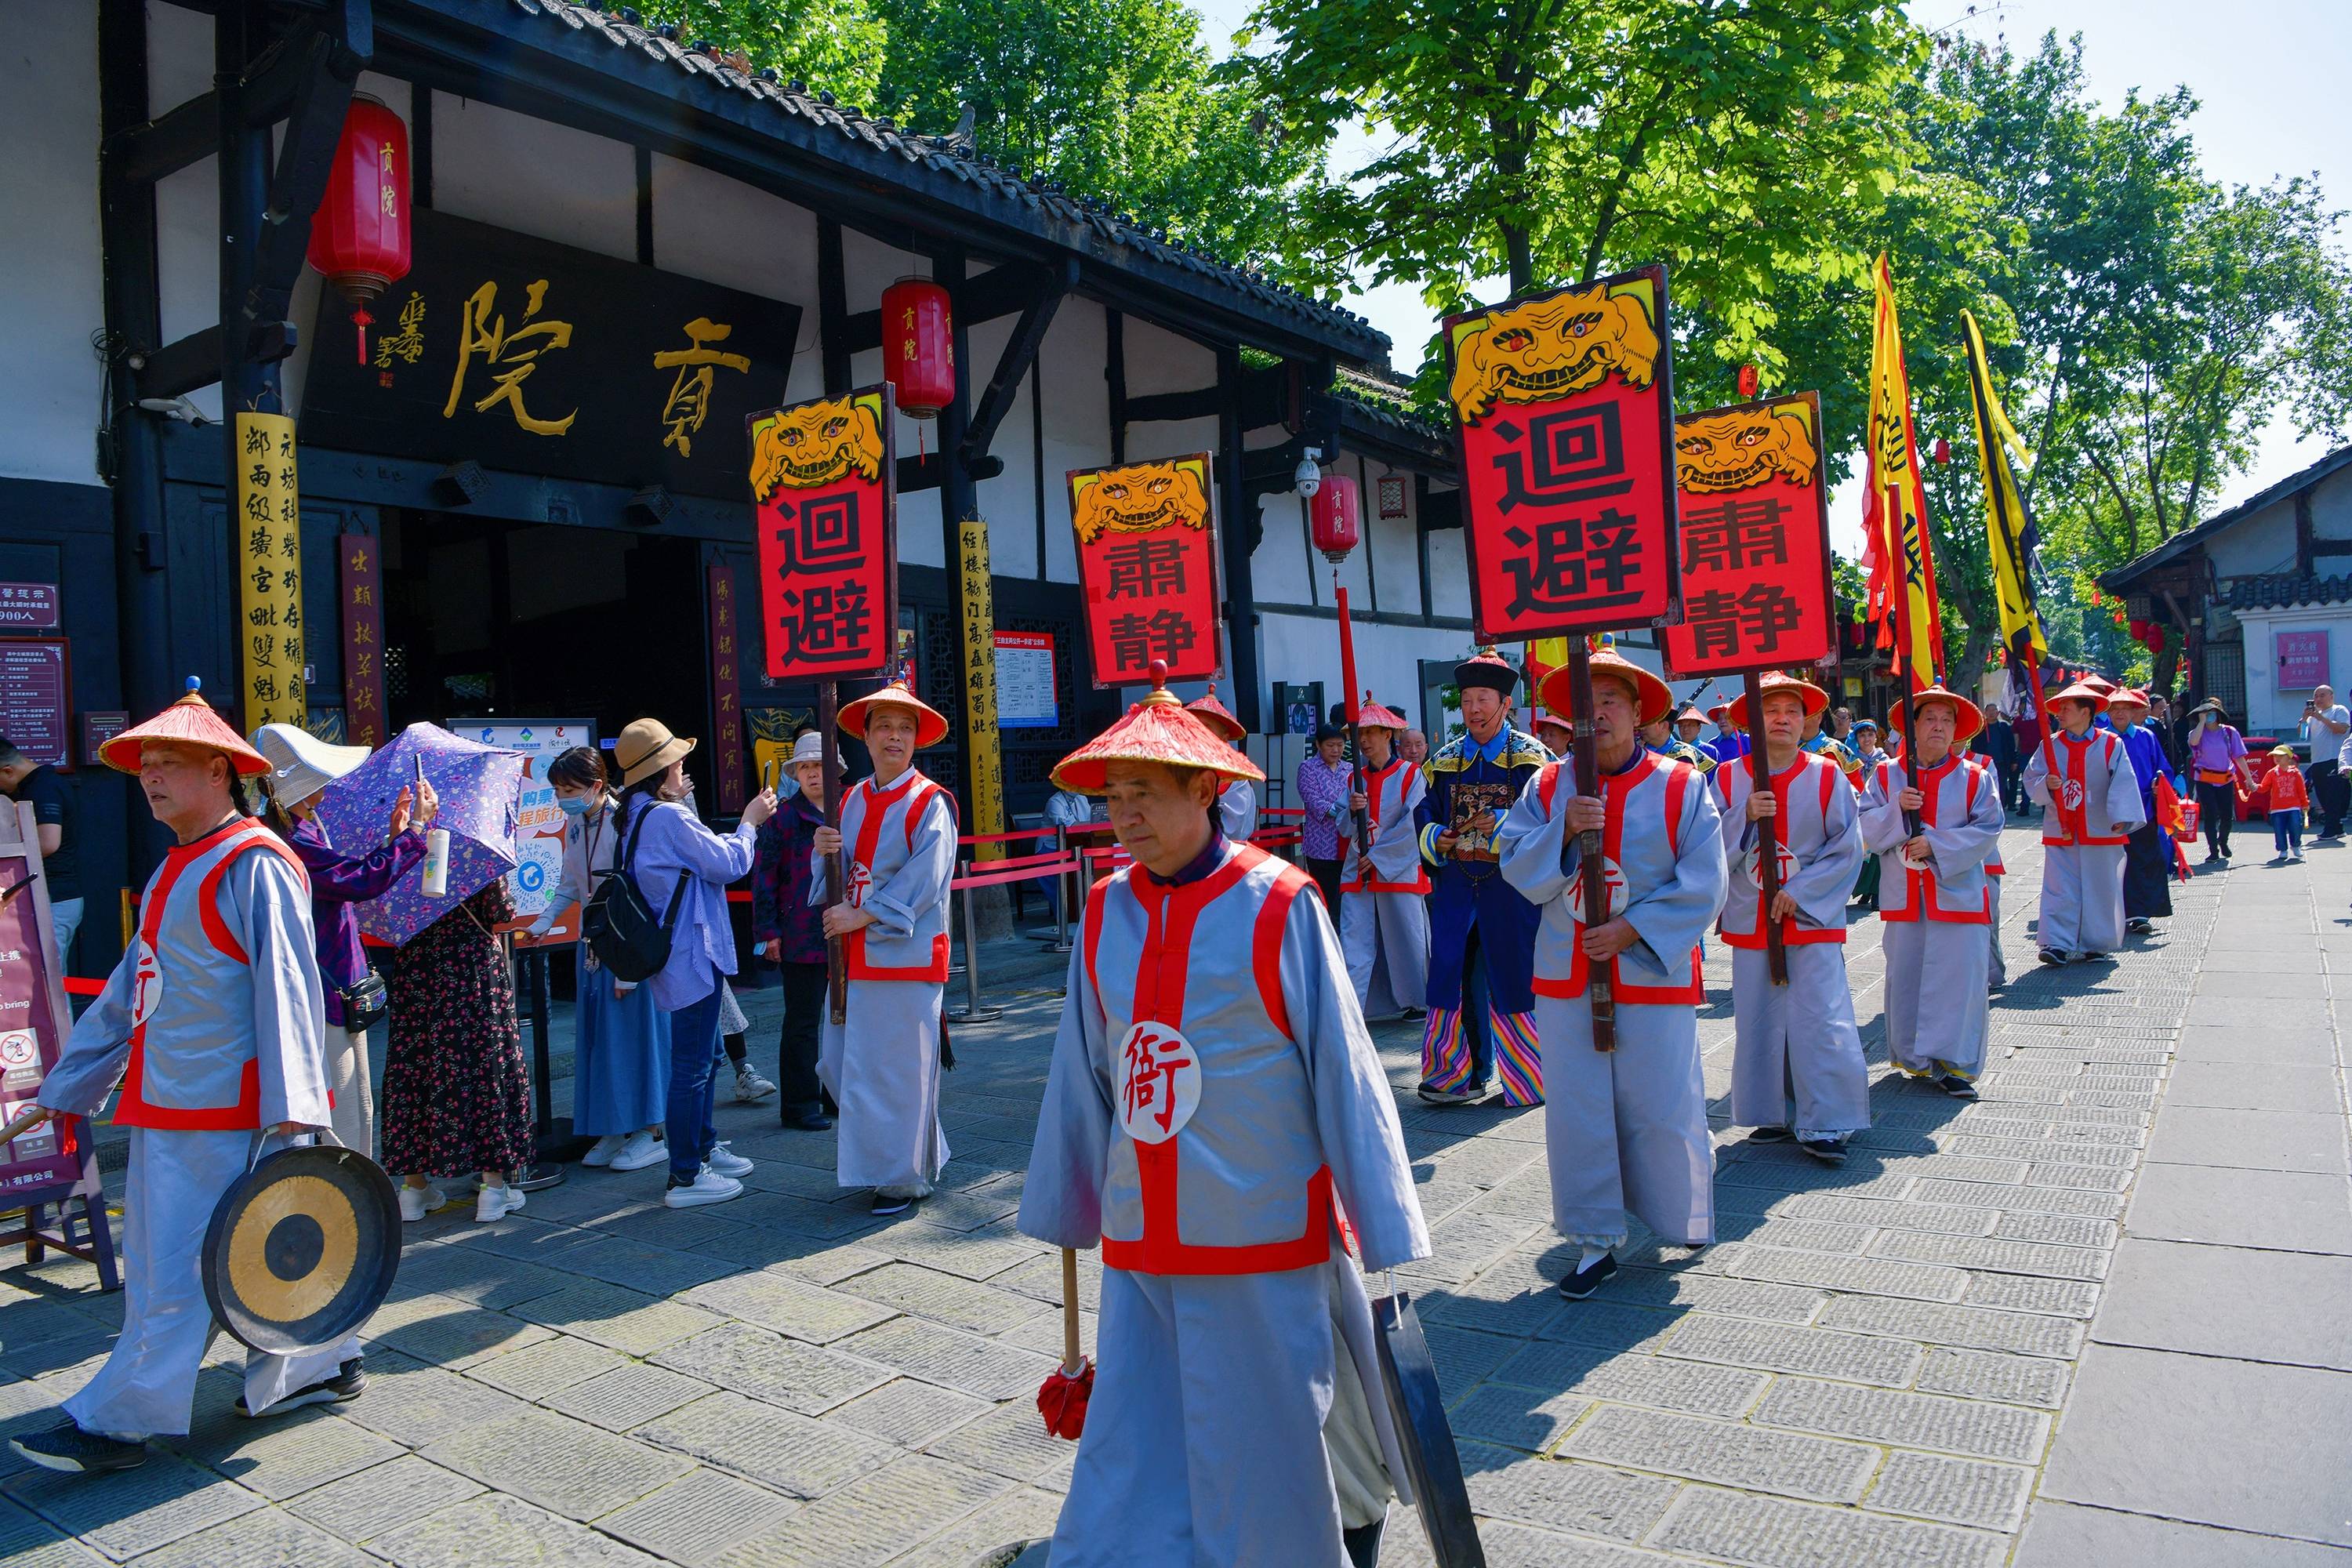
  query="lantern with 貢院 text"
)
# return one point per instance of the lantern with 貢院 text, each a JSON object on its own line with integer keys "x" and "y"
{"x": 358, "y": 237}
{"x": 1338, "y": 512}
{"x": 918, "y": 345}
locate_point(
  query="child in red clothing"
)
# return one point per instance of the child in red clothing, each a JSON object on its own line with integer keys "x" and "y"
{"x": 2286, "y": 797}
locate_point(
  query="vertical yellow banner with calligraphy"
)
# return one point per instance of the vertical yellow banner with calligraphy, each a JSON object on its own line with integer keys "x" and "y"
{"x": 265, "y": 521}
{"x": 980, "y": 685}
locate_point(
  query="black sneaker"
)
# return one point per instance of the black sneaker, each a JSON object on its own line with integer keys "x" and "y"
{"x": 1436, "y": 1096}
{"x": 1828, "y": 1151}
{"x": 2053, "y": 956}
{"x": 2139, "y": 926}
{"x": 69, "y": 1448}
{"x": 1770, "y": 1135}
{"x": 1414, "y": 1015}
{"x": 1586, "y": 1281}
{"x": 814, "y": 1121}
{"x": 348, "y": 1384}
{"x": 1956, "y": 1086}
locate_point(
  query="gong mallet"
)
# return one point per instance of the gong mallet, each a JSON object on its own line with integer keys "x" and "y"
{"x": 836, "y": 967}
{"x": 1062, "y": 1398}
{"x": 1597, "y": 989}
{"x": 1767, "y": 849}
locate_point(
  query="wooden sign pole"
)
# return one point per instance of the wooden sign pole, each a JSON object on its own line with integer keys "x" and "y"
{"x": 828, "y": 701}
{"x": 1597, "y": 990}
{"x": 1768, "y": 848}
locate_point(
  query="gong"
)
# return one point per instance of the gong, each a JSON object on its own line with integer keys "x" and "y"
{"x": 302, "y": 1248}
{"x": 1435, "y": 1466}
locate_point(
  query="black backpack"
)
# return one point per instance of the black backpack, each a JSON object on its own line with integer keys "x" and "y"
{"x": 618, "y": 924}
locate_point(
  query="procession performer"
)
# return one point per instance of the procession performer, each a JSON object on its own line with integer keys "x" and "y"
{"x": 215, "y": 1023}
{"x": 1798, "y": 1063}
{"x": 1996, "y": 965}
{"x": 1554, "y": 733}
{"x": 1934, "y": 893}
{"x": 1237, "y": 802}
{"x": 1821, "y": 744}
{"x": 1659, "y": 738}
{"x": 882, "y": 1065}
{"x": 2090, "y": 794}
{"x": 2147, "y": 854}
{"x": 1482, "y": 932}
{"x": 1624, "y": 1131}
{"x": 1383, "y": 905}
{"x": 1212, "y": 1091}
{"x": 1728, "y": 742}
{"x": 1687, "y": 724}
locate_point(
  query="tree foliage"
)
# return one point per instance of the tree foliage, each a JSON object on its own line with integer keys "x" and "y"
{"x": 834, "y": 46}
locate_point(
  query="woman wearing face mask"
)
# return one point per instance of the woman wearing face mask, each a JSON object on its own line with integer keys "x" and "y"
{"x": 301, "y": 767}
{"x": 620, "y": 1086}
{"x": 663, "y": 845}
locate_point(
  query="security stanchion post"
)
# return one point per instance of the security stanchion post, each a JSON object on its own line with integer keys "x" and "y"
{"x": 1065, "y": 886}
{"x": 973, "y": 1013}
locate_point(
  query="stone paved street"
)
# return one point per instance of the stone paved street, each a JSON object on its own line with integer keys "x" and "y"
{"x": 2098, "y": 1317}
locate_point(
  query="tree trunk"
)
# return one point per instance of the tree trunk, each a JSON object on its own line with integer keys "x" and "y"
{"x": 1521, "y": 250}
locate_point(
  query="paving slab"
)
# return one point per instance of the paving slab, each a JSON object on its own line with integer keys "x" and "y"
{"x": 2310, "y": 1141}
{"x": 2062, "y": 1535}
{"x": 1727, "y": 1453}
{"x": 383, "y": 1497}
{"x": 1956, "y": 1491}
{"x": 1738, "y": 1527}
{"x": 2289, "y": 1211}
{"x": 2255, "y": 1086}
{"x": 2246, "y": 1303}
{"x": 2292, "y": 1047}
{"x": 497, "y": 1529}
{"x": 562, "y": 1465}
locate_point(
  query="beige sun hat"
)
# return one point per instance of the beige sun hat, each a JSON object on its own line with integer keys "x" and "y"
{"x": 646, "y": 747}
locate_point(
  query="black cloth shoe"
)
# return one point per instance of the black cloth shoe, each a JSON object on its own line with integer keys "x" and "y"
{"x": 1828, "y": 1151}
{"x": 2053, "y": 956}
{"x": 348, "y": 1384}
{"x": 1436, "y": 1096}
{"x": 814, "y": 1121}
{"x": 1956, "y": 1086}
{"x": 2140, "y": 925}
{"x": 68, "y": 1448}
{"x": 1412, "y": 1016}
{"x": 1770, "y": 1135}
{"x": 1363, "y": 1544}
{"x": 1585, "y": 1281}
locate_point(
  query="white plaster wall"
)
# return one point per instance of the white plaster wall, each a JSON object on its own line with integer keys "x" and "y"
{"x": 48, "y": 246}
{"x": 1388, "y": 657}
{"x": 724, "y": 232}
{"x": 534, "y": 177}
{"x": 1077, "y": 420}
{"x": 1449, "y": 573}
{"x": 1159, "y": 361}
{"x": 2279, "y": 711}
{"x": 1278, "y": 570}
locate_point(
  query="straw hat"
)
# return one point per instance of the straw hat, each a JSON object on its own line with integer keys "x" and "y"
{"x": 1651, "y": 696}
{"x": 1815, "y": 700}
{"x": 192, "y": 721}
{"x": 1214, "y": 714}
{"x": 1373, "y": 716}
{"x": 930, "y": 724}
{"x": 1546, "y": 719}
{"x": 2081, "y": 691}
{"x": 646, "y": 747}
{"x": 1160, "y": 729}
{"x": 1968, "y": 718}
{"x": 302, "y": 765}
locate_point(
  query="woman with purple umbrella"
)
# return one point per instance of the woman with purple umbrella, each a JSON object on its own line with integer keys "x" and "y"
{"x": 301, "y": 767}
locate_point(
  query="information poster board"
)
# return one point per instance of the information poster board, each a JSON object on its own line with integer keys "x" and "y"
{"x": 36, "y": 684}
{"x": 32, "y": 1015}
{"x": 539, "y": 821}
{"x": 1024, "y": 681}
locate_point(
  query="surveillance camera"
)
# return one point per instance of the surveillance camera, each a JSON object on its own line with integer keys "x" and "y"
{"x": 1308, "y": 479}
{"x": 178, "y": 409}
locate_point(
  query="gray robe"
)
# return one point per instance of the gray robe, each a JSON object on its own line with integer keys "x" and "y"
{"x": 1937, "y": 915}
{"x": 1384, "y": 904}
{"x": 2088, "y": 813}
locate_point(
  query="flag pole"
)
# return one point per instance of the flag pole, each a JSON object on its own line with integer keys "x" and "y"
{"x": 1355, "y": 735}
{"x": 1598, "y": 992}
{"x": 828, "y": 700}
{"x": 1767, "y": 857}
{"x": 1891, "y": 530}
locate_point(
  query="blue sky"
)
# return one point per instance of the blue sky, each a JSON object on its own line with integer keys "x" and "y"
{"x": 2270, "y": 76}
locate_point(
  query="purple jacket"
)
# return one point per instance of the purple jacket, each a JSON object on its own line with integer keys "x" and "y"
{"x": 1323, "y": 791}
{"x": 338, "y": 881}
{"x": 780, "y": 883}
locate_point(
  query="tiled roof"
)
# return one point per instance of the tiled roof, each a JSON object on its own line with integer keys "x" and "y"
{"x": 2120, "y": 578}
{"x": 921, "y": 159}
{"x": 2285, "y": 588}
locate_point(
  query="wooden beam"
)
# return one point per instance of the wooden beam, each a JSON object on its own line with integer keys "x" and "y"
{"x": 182, "y": 366}
{"x": 1020, "y": 354}
{"x": 179, "y": 139}
{"x": 833, "y": 309}
{"x": 306, "y": 158}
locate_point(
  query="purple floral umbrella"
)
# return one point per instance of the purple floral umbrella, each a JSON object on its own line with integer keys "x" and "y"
{"x": 478, "y": 787}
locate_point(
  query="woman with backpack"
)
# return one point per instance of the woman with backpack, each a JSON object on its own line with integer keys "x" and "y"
{"x": 679, "y": 869}
{"x": 619, "y": 1072}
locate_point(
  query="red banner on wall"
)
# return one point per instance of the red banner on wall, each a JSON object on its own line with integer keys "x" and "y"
{"x": 1564, "y": 402}
{"x": 825, "y": 485}
{"x": 1148, "y": 558}
{"x": 362, "y": 585}
{"x": 726, "y": 688}
{"x": 1754, "y": 539}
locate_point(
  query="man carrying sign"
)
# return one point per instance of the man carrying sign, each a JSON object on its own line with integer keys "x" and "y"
{"x": 1625, "y": 1130}
{"x": 1799, "y": 1061}
{"x": 2084, "y": 778}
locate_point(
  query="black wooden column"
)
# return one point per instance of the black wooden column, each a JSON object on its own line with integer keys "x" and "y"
{"x": 959, "y": 499}
{"x": 239, "y": 33}
{"x": 1235, "y": 510}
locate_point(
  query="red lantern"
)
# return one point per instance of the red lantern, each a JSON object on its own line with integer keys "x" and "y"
{"x": 2156, "y": 640}
{"x": 918, "y": 345}
{"x": 2139, "y": 631}
{"x": 1338, "y": 512}
{"x": 1747, "y": 381}
{"x": 359, "y": 236}
{"x": 1943, "y": 450}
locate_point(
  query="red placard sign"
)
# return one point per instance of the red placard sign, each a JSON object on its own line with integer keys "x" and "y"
{"x": 825, "y": 485}
{"x": 726, "y": 688}
{"x": 1148, "y": 558}
{"x": 360, "y": 582}
{"x": 1564, "y": 402}
{"x": 1754, "y": 539}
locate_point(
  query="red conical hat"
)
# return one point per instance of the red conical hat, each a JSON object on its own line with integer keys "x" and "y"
{"x": 1815, "y": 700}
{"x": 1214, "y": 714}
{"x": 1653, "y": 697}
{"x": 2081, "y": 691}
{"x": 2127, "y": 694}
{"x": 930, "y": 724}
{"x": 1969, "y": 716}
{"x": 1373, "y": 716}
{"x": 191, "y": 720}
{"x": 1160, "y": 729}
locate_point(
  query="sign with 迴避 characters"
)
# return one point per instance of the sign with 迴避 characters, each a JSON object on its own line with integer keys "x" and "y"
{"x": 1754, "y": 539}
{"x": 537, "y": 358}
{"x": 266, "y": 521}
{"x": 825, "y": 489}
{"x": 1147, "y": 537}
{"x": 1564, "y": 405}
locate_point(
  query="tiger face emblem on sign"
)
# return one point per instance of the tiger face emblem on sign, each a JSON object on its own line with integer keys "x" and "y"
{"x": 816, "y": 444}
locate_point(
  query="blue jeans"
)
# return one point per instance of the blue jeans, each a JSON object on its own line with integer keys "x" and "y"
{"x": 693, "y": 1070}
{"x": 2286, "y": 830}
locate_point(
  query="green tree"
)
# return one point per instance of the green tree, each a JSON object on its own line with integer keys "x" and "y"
{"x": 834, "y": 46}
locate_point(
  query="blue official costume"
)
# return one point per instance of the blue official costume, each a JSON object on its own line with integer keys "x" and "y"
{"x": 1482, "y": 931}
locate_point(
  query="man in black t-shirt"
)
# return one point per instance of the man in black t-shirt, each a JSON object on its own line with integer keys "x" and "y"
{"x": 21, "y": 778}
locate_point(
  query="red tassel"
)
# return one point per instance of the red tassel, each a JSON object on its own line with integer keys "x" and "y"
{"x": 362, "y": 322}
{"x": 1062, "y": 1400}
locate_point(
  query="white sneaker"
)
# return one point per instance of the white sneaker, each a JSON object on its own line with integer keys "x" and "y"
{"x": 606, "y": 1147}
{"x": 496, "y": 1202}
{"x": 749, "y": 1085}
{"x": 415, "y": 1203}
{"x": 728, "y": 1163}
{"x": 708, "y": 1188}
{"x": 638, "y": 1151}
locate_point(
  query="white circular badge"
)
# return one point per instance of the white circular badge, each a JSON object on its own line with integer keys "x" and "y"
{"x": 1160, "y": 1082}
{"x": 861, "y": 882}
{"x": 1786, "y": 861}
{"x": 2070, "y": 791}
{"x": 146, "y": 985}
{"x": 1612, "y": 876}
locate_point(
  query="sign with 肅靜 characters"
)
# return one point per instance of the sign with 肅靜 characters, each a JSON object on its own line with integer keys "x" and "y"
{"x": 1754, "y": 539}
{"x": 1147, "y": 560}
{"x": 1564, "y": 403}
{"x": 824, "y": 490}
{"x": 537, "y": 358}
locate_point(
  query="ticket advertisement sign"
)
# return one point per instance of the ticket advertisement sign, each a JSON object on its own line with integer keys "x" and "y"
{"x": 1564, "y": 405}
{"x": 539, "y": 821}
{"x": 1754, "y": 539}
{"x": 32, "y": 1021}
{"x": 1147, "y": 537}
{"x": 825, "y": 481}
